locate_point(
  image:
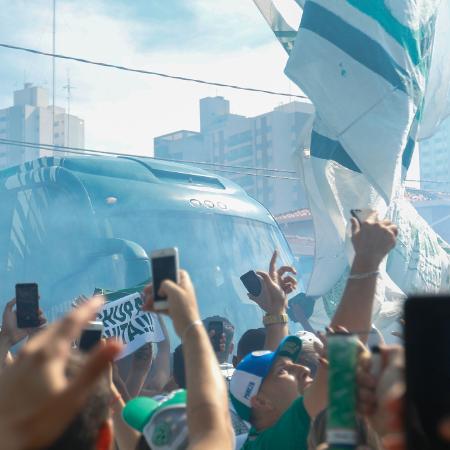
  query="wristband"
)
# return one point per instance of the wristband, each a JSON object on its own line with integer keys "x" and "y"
{"x": 363, "y": 276}
{"x": 189, "y": 327}
{"x": 272, "y": 319}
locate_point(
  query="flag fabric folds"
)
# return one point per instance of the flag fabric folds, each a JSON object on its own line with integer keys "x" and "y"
{"x": 371, "y": 68}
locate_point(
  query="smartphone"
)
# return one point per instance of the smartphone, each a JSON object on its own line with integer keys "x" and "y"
{"x": 217, "y": 326}
{"x": 361, "y": 214}
{"x": 27, "y": 305}
{"x": 427, "y": 356}
{"x": 165, "y": 266}
{"x": 91, "y": 336}
{"x": 252, "y": 282}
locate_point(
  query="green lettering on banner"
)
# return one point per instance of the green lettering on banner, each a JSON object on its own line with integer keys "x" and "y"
{"x": 138, "y": 302}
{"x": 121, "y": 316}
{"x": 128, "y": 308}
{"x": 133, "y": 332}
{"x": 147, "y": 318}
{"x": 107, "y": 316}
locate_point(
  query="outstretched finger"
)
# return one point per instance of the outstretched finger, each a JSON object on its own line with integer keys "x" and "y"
{"x": 273, "y": 263}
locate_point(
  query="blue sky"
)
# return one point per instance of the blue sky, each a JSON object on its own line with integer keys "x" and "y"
{"x": 221, "y": 40}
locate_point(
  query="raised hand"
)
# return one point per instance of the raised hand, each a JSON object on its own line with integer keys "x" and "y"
{"x": 286, "y": 282}
{"x": 9, "y": 330}
{"x": 183, "y": 308}
{"x": 37, "y": 401}
{"x": 372, "y": 240}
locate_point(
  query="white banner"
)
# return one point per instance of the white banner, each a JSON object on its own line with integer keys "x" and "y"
{"x": 124, "y": 319}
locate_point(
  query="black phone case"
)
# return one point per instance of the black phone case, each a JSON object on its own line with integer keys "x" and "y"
{"x": 252, "y": 283}
{"x": 27, "y": 312}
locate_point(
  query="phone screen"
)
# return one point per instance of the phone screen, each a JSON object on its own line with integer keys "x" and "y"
{"x": 89, "y": 339}
{"x": 427, "y": 351}
{"x": 27, "y": 305}
{"x": 163, "y": 268}
{"x": 217, "y": 326}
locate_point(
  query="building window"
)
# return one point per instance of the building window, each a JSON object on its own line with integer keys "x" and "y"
{"x": 239, "y": 138}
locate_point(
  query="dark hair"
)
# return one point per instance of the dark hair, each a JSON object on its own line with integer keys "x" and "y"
{"x": 179, "y": 373}
{"x": 82, "y": 432}
{"x": 251, "y": 341}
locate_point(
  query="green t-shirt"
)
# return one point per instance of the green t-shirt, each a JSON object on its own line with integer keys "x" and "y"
{"x": 289, "y": 433}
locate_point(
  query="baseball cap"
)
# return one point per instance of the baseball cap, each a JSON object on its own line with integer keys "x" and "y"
{"x": 253, "y": 369}
{"x": 163, "y": 424}
{"x": 308, "y": 336}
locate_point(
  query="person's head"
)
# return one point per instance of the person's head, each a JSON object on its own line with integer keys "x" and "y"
{"x": 228, "y": 331}
{"x": 163, "y": 424}
{"x": 265, "y": 384}
{"x": 251, "y": 341}
{"x": 178, "y": 367}
{"x": 309, "y": 356}
{"x": 92, "y": 428}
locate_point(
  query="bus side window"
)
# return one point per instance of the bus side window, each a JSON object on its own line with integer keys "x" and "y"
{"x": 6, "y": 264}
{"x": 46, "y": 239}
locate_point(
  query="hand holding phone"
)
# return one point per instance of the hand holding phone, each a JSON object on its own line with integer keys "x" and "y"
{"x": 252, "y": 282}
{"x": 216, "y": 337}
{"x": 91, "y": 336}
{"x": 27, "y": 305}
{"x": 361, "y": 215}
{"x": 165, "y": 266}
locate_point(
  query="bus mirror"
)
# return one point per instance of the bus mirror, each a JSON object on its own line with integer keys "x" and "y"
{"x": 137, "y": 262}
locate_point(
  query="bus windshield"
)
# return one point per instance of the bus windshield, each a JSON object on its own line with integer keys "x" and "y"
{"x": 216, "y": 250}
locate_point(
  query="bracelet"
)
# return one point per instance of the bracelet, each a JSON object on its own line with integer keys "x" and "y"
{"x": 189, "y": 327}
{"x": 363, "y": 276}
{"x": 273, "y": 319}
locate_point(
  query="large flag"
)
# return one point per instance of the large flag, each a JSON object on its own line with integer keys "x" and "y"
{"x": 377, "y": 74}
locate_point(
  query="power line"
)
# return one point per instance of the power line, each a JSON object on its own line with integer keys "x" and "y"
{"x": 149, "y": 72}
{"x": 93, "y": 152}
{"x": 90, "y": 152}
{"x": 79, "y": 149}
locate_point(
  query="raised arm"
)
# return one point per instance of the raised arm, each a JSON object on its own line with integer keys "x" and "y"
{"x": 372, "y": 241}
{"x": 273, "y": 301}
{"x": 160, "y": 372}
{"x": 207, "y": 405}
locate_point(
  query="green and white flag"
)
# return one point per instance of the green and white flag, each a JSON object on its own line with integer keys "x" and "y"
{"x": 377, "y": 73}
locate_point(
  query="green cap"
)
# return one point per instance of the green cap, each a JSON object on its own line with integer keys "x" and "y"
{"x": 139, "y": 411}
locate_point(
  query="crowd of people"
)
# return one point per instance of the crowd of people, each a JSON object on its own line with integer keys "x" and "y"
{"x": 269, "y": 391}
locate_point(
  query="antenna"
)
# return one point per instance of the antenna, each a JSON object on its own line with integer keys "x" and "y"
{"x": 68, "y": 87}
{"x": 53, "y": 70}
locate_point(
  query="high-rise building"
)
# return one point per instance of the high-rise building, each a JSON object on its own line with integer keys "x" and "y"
{"x": 266, "y": 141}
{"x": 435, "y": 160}
{"x": 30, "y": 119}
